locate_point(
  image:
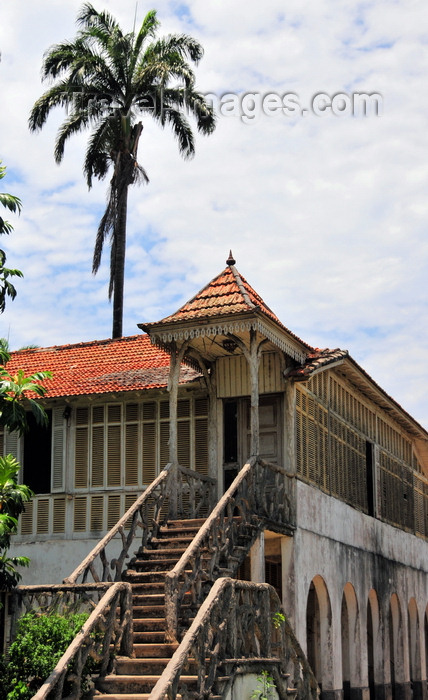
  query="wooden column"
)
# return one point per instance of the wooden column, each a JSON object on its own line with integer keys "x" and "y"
{"x": 173, "y": 380}
{"x": 253, "y": 365}
{"x": 257, "y": 553}
{"x": 253, "y": 359}
{"x": 289, "y": 426}
{"x": 212, "y": 427}
{"x": 174, "y": 374}
{"x": 253, "y": 355}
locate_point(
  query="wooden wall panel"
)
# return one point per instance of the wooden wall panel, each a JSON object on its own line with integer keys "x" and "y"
{"x": 233, "y": 378}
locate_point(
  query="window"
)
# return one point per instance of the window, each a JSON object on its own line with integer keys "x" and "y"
{"x": 126, "y": 444}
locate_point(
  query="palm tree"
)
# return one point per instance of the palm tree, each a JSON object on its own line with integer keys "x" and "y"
{"x": 107, "y": 81}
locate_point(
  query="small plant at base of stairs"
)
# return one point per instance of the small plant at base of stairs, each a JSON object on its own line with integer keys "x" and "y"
{"x": 278, "y": 619}
{"x": 265, "y": 687}
{"x": 39, "y": 644}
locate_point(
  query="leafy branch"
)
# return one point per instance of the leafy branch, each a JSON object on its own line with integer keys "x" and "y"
{"x": 13, "y": 204}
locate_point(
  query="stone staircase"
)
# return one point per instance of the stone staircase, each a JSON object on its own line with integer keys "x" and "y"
{"x": 134, "y": 678}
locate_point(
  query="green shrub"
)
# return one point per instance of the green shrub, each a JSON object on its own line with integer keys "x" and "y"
{"x": 39, "y": 644}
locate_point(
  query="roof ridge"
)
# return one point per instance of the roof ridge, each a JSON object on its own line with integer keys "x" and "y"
{"x": 241, "y": 287}
{"x": 82, "y": 344}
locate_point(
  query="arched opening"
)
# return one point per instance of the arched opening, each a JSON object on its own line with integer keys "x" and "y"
{"x": 396, "y": 652}
{"x": 415, "y": 666}
{"x": 313, "y": 632}
{"x": 374, "y": 649}
{"x": 318, "y": 633}
{"x": 426, "y": 642}
{"x": 349, "y": 615}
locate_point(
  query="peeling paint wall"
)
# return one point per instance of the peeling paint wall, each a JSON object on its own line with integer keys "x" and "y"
{"x": 339, "y": 545}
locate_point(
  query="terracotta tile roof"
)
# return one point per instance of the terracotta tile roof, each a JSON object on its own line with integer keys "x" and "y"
{"x": 315, "y": 360}
{"x": 98, "y": 367}
{"x": 228, "y": 293}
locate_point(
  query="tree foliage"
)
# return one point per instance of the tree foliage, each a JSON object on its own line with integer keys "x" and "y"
{"x": 107, "y": 81}
{"x": 18, "y": 393}
{"x": 13, "y": 497}
{"x": 14, "y": 404}
{"x": 13, "y": 204}
{"x": 39, "y": 644}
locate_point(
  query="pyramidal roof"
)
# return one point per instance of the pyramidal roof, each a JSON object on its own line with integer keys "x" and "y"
{"x": 227, "y": 294}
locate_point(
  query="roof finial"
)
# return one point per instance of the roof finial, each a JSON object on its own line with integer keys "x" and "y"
{"x": 231, "y": 260}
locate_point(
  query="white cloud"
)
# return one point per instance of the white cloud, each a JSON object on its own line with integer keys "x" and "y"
{"x": 327, "y": 216}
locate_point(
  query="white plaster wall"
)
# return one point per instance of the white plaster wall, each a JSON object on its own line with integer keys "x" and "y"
{"x": 343, "y": 545}
{"x": 329, "y": 517}
{"x": 244, "y": 686}
{"x": 51, "y": 560}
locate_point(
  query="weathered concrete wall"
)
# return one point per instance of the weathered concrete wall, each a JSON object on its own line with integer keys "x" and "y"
{"x": 336, "y": 545}
{"x": 51, "y": 560}
{"x": 244, "y": 687}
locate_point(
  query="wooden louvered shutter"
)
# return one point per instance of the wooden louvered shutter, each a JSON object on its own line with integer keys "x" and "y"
{"x": 201, "y": 445}
{"x": 97, "y": 511}
{"x": 183, "y": 443}
{"x": 149, "y": 452}
{"x": 97, "y": 462}
{"x": 12, "y": 444}
{"x": 97, "y": 457}
{"x": 42, "y": 516}
{"x": 131, "y": 445}
{"x": 26, "y": 519}
{"x": 58, "y": 443}
{"x": 131, "y": 454}
{"x": 183, "y": 408}
{"x": 81, "y": 449}
{"x": 149, "y": 456}
{"x": 163, "y": 446}
{"x": 80, "y": 514}
{"x": 113, "y": 455}
{"x": 113, "y": 510}
{"x": 58, "y": 524}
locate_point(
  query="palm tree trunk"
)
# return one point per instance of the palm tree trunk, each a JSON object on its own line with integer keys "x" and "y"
{"x": 119, "y": 265}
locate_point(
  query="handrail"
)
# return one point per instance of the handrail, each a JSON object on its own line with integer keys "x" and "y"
{"x": 222, "y": 503}
{"x": 152, "y": 508}
{"x": 85, "y": 564}
{"x": 222, "y": 645}
{"x": 80, "y": 647}
{"x": 204, "y": 530}
{"x": 221, "y": 532}
{"x": 192, "y": 473}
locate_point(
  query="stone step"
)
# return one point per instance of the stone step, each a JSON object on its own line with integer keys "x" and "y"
{"x": 151, "y": 566}
{"x": 136, "y": 696}
{"x": 149, "y": 666}
{"x": 150, "y": 612}
{"x": 188, "y": 522}
{"x": 148, "y": 587}
{"x": 144, "y": 612}
{"x": 144, "y": 637}
{"x": 150, "y": 651}
{"x": 144, "y": 599}
{"x": 170, "y": 540}
{"x": 148, "y": 599}
{"x": 159, "y": 552}
{"x": 145, "y": 577}
{"x": 136, "y": 684}
{"x": 147, "y": 624}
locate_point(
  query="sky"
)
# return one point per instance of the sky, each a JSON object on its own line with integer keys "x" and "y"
{"x": 324, "y": 206}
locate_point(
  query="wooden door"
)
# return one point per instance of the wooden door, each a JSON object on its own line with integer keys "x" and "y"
{"x": 269, "y": 428}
